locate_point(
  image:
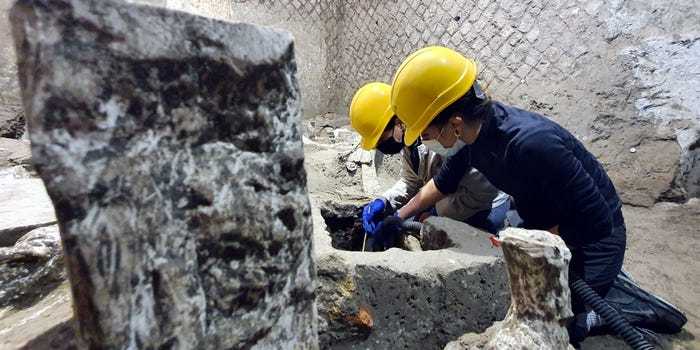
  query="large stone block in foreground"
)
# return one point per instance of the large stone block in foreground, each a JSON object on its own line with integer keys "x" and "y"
{"x": 170, "y": 146}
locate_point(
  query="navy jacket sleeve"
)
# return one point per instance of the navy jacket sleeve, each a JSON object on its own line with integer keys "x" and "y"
{"x": 452, "y": 171}
{"x": 564, "y": 179}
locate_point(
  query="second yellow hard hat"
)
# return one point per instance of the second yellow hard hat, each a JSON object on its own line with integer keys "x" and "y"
{"x": 370, "y": 112}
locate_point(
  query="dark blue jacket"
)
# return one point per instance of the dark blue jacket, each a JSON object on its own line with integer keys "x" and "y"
{"x": 552, "y": 177}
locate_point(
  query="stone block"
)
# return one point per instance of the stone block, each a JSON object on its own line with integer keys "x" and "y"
{"x": 441, "y": 233}
{"x": 399, "y": 299}
{"x": 171, "y": 147}
{"x": 30, "y": 268}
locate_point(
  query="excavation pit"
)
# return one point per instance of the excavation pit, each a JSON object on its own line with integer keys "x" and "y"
{"x": 397, "y": 298}
{"x": 344, "y": 224}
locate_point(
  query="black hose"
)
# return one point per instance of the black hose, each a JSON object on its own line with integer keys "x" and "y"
{"x": 410, "y": 225}
{"x": 614, "y": 320}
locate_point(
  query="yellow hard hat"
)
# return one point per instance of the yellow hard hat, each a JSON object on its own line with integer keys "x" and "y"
{"x": 427, "y": 82}
{"x": 370, "y": 112}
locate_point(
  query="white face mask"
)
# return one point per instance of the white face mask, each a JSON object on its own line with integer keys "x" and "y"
{"x": 435, "y": 146}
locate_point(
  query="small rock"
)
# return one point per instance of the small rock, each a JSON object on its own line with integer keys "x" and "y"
{"x": 11, "y": 121}
{"x": 410, "y": 243}
{"x": 351, "y": 166}
{"x": 633, "y": 150}
{"x": 31, "y": 267}
{"x": 361, "y": 156}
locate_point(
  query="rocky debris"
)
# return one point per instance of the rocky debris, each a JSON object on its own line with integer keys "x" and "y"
{"x": 689, "y": 174}
{"x": 30, "y": 268}
{"x": 399, "y": 299}
{"x": 342, "y": 135}
{"x": 15, "y": 152}
{"x": 24, "y": 206}
{"x": 344, "y": 222}
{"x": 174, "y": 159}
{"x": 538, "y": 264}
{"x": 367, "y": 162}
{"x": 361, "y": 156}
{"x": 11, "y": 121}
{"x": 410, "y": 243}
{"x": 652, "y": 109}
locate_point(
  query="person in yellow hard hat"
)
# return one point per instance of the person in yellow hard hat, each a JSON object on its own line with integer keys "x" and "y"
{"x": 476, "y": 201}
{"x": 557, "y": 185}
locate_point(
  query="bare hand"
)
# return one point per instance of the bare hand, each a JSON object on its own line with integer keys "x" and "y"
{"x": 554, "y": 230}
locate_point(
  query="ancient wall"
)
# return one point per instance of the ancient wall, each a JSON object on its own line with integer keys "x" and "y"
{"x": 619, "y": 74}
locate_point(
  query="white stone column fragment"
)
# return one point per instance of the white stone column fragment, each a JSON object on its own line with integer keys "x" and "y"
{"x": 538, "y": 270}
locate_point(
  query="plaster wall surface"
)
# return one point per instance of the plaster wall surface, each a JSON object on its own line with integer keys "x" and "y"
{"x": 311, "y": 22}
{"x": 9, "y": 85}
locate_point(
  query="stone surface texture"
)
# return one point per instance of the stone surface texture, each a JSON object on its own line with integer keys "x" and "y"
{"x": 441, "y": 232}
{"x": 15, "y": 152}
{"x": 11, "y": 121}
{"x": 45, "y": 325}
{"x": 401, "y": 299}
{"x": 9, "y": 85}
{"x": 31, "y": 267}
{"x": 29, "y": 207}
{"x": 538, "y": 265}
{"x": 170, "y": 145}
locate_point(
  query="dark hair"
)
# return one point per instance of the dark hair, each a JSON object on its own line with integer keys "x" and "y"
{"x": 390, "y": 124}
{"x": 472, "y": 106}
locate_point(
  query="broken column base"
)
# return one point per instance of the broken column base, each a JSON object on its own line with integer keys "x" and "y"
{"x": 513, "y": 335}
{"x": 537, "y": 264}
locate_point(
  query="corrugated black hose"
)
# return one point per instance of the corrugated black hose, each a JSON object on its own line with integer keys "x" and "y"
{"x": 410, "y": 225}
{"x": 613, "y": 319}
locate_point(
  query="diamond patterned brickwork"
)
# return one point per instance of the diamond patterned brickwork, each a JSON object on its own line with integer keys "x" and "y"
{"x": 513, "y": 41}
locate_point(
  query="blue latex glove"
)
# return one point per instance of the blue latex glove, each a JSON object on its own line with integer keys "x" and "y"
{"x": 372, "y": 215}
